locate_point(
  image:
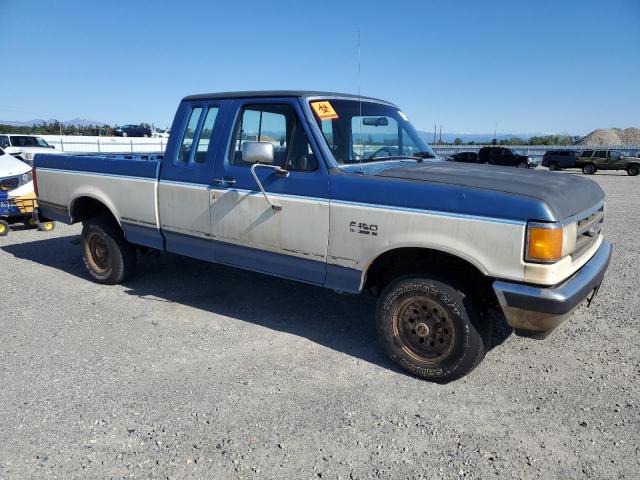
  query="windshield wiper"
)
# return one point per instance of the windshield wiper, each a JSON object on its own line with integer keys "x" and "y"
{"x": 396, "y": 157}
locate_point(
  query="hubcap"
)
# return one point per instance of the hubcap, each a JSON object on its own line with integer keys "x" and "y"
{"x": 98, "y": 252}
{"x": 425, "y": 329}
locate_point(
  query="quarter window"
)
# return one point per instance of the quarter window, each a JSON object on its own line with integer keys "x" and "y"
{"x": 189, "y": 135}
{"x": 206, "y": 134}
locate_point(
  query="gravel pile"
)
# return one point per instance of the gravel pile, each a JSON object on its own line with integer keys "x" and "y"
{"x": 612, "y": 136}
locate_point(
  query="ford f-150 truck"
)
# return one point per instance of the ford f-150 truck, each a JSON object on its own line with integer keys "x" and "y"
{"x": 340, "y": 191}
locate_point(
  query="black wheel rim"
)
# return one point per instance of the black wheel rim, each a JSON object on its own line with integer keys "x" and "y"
{"x": 98, "y": 252}
{"x": 424, "y": 328}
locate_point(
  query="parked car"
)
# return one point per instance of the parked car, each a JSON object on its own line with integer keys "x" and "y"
{"x": 505, "y": 157}
{"x": 590, "y": 161}
{"x": 559, "y": 159}
{"x": 17, "y": 197}
{"x": 24, "y": 147}
{"x": 439, "y": 243}
{"x": 160, "y": 134}
{"x": 466, "y": 157}
{"x": 132, "y": 131}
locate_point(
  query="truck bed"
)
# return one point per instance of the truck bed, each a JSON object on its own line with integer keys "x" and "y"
{"x": 128, "y": 181}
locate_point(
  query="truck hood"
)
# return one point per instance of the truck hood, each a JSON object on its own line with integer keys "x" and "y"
{"x": 563, "y": 194}
{"x": 10, "y": 166}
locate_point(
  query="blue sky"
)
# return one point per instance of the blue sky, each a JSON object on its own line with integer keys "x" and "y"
{"x": 530, "y": 66}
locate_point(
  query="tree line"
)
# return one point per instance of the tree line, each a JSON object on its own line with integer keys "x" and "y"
{"x": 58, "y": 128}
{"x": 535, "y": 140}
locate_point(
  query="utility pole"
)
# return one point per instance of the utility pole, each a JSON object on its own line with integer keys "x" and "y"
{"x": 440, "y": 141}
{"x": 434, "y": 133}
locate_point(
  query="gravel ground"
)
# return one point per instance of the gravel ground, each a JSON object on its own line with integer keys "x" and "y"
{"x": 194, "y": 370}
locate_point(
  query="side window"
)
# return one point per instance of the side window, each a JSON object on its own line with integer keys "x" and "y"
{"x": 613, "y": 154}
{"x": 188, "y": 135}
{"x": 4, "y": 141}
{"x": 587, "y": 153}
{"x": 206, "y": 133}
{"x": 279, "y": 125}
{"x": 601, "y": 154}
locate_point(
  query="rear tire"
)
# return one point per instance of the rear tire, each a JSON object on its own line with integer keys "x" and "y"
{"x": 109, "y": 258}
{"x": 46, "y": 226}
{"x": 428, "y": 329}
{"x": 633, "y": 170}
{"x": 588, "y": 169}
{"x": 4, "y": 228}
{"x": 522, "y": 165}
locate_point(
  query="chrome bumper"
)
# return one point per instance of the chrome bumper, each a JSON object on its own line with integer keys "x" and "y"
{"x": 535, "y": 311}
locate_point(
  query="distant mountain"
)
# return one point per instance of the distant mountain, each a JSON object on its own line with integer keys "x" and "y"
{"x": 76, "y": 122}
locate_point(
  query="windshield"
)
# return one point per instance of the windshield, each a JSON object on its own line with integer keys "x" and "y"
{"x": 29, "y": 142}
{"x": 367, "y": 132}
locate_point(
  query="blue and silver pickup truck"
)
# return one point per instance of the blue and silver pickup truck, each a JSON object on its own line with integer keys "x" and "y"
{"x": 340, "y": 191}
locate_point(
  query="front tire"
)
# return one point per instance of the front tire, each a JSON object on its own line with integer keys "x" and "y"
{"x": 588, "y": 169}
{"x": 553, "y": 166}
{"x": 4, "y": 228}
{"x": 109, "y": 258}
{"x": 428, "y": 329}
{"x": 633, "y": 170}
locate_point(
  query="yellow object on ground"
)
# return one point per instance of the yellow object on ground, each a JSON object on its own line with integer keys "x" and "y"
{"x": 26, "y": 203}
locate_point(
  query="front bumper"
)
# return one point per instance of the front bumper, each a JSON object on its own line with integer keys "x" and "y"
{"x": 535, "y": 311}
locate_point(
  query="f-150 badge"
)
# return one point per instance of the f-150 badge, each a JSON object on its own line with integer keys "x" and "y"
{"x": 363, "y": 228}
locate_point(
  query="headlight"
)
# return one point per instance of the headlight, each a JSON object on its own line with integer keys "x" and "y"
{"x": 549, "y": 242}
{"x": 25, "y": 178}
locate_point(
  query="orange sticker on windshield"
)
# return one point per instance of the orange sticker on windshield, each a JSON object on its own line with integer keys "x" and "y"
{"x": 324, "y": 110}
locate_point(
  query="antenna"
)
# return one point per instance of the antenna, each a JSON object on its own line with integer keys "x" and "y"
{"x": 360, "y": 100}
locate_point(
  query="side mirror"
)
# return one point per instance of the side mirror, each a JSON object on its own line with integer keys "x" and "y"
{"x": 51, "y": 146}
{"x": 257, "y": 152}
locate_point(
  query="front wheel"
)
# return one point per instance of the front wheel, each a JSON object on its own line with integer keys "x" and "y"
{"x": 633, "y": 170}
{"x": 588, "y": 169}
{"x": 109, "y": 258}
{"x": 554, "y": 166}
{"x": 428, "y": 329}
{"x": 4, "y": 228}
{"x": 46, "y": 226}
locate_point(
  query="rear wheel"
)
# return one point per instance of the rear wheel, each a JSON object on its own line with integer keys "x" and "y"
{"x": 109, "y": 258}
{"x": 588, "y": 169}
{"x": 633, "y": 170}
{"x": 124, "y": 134}
{"x": 428, "y": 329}
{"x": 4, "y": 228}
{"x": 522, "y": 165}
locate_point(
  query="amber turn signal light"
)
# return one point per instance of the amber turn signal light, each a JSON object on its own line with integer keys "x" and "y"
{"x": 544, "y": 242}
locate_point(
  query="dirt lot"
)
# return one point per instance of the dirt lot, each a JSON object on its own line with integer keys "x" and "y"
{"x": 196, "y": 370}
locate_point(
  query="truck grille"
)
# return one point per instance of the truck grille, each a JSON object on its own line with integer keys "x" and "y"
{"x": 9, "y": 183}
{"x": 588, "y": 230}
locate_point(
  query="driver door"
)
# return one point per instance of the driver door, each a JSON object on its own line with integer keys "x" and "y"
{"x": 289, "y": 242}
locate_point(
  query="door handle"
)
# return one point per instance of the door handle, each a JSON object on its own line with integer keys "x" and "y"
{"x": 224, "y": 181}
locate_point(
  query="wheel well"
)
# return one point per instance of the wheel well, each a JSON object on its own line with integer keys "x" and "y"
{"x": 405, "y": 261}
{"x": 84, "y": 208}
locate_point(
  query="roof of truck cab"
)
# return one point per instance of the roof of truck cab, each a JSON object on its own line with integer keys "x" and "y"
{"x": 277, "y": 93}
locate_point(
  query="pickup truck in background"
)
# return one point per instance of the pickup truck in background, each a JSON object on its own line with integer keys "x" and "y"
{"x": 341, "y": 191}
{"x": 505, "y": 157}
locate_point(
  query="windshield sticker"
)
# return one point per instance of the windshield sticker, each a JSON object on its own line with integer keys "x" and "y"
{"x": 402, "y": 114}
{"x": 324, "y": 110}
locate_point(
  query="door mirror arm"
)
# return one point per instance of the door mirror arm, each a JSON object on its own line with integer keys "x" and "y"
{"x": 279, "y": 171}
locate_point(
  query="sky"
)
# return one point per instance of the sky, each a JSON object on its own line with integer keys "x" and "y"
{"x": 527, "y": 66}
